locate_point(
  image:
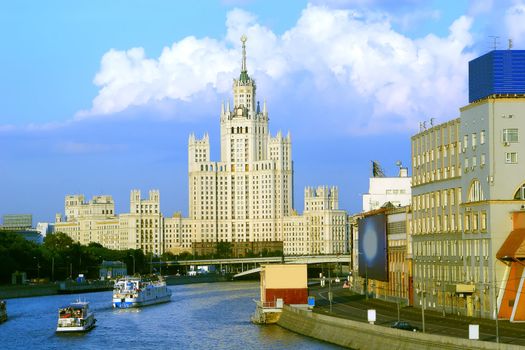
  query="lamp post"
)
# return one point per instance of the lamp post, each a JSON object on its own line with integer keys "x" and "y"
{"x": 329, "y": 288}
{"x": 366, "y": 274}
{"x": 70, "y": 267}
{"x": 423, "y": 302}
{"x": 398, "y": 297}
{"x": 366, "y": 280}
{"x": 37, "y": 266}
{"x": 495, "y": 300}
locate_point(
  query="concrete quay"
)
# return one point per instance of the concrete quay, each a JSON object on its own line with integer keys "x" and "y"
{"x": 346, "y": 325}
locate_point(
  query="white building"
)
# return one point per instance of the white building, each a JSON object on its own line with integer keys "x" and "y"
{"x": 245, "y": 195}
{"x": 382, "y": 189}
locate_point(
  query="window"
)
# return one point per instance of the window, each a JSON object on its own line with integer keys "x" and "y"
{"x": 482, "y": 137}
{"x": 475, "y": 192}
{"x": 510, "y": 135}
{"x": 483, "y": 222}
{"x": 465, "y": 141}
{"x": 474, "y": 140}
{"x": 466, "y": 163}
{"x": 482, "y": 160}
{"x": 511, "y": 157}
{"x": 520, "y": 193}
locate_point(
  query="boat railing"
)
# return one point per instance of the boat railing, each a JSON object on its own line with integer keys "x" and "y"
{"x": 266, "y": 304}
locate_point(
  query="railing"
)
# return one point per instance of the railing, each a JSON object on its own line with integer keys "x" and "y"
{"x": 266, "y": 304}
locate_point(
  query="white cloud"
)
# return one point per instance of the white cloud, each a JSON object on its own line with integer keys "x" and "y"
{"x": 400, "y": 79}
{"x": 515, "y": 23}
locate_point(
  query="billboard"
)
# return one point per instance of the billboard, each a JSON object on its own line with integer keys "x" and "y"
{"x": 372, "y": 245}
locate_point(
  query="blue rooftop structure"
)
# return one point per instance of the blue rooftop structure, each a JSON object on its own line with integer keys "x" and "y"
{"x": 497, "y": 72}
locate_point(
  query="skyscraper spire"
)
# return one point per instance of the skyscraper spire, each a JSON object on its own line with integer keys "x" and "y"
{"x": 243, "y": 64}
{"x": 244, "y": 73}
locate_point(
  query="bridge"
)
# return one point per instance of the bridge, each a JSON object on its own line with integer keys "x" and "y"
{"x": 237, "y": 265}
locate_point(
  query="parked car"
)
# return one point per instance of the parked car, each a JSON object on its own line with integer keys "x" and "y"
{"x": 405, "y": 326}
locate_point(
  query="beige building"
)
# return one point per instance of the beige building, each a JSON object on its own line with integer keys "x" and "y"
{"x": 322, "y": 229}
{"x": 467, "y": 182}
{"x": 245, "y": 197}
{"x": 93, "y": 221}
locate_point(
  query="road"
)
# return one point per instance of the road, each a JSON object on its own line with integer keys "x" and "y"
{"x": 349, "y": 305}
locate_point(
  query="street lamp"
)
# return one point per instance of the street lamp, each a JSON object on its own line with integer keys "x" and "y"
{"x": 423, "y": 302}
{"x": 366, "y": 273}
{"x": 329, "y": 287}
{"x": 53, "y": 267}
{"x": 70, "y": 267}
{"x": 37, "y": 266}
{"x": 496, "y": 312}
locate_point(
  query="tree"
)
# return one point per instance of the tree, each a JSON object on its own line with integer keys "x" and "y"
{"x": 224, "y": 249}
{"x": 17, "y": 254}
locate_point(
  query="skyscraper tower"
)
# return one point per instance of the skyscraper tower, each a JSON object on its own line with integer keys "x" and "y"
{"x": 244, "y": 196}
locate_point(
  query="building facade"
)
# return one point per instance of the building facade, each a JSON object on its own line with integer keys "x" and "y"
{"x": 383, "y": 189}
{"x": 245, "y": 198}
{"x": 323, "y": 227}
{"x": 468, "y": 186}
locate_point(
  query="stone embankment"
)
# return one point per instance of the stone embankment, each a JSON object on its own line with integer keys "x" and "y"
{"x": 24, "y": 291}
{"x": 359, "y": 335}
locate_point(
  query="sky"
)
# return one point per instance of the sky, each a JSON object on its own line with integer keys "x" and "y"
{"x": 99, "y": 97}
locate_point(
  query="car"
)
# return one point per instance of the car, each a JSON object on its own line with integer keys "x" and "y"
{"x": 405, "y": 326}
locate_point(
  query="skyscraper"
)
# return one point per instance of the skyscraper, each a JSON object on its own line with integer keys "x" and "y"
{"x": 244, "y": 196}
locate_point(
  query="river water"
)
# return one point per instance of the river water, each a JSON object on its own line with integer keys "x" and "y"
{"x": 200, "y": 316}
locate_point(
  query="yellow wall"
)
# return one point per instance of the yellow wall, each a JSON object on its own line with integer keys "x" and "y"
{"x": 280, "y": 276}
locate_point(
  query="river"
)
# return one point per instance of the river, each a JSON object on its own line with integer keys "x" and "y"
{"x": 200, "y": 316}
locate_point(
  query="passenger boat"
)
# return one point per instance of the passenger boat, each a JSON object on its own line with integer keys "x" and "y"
{"x": 76, "y": 317}
{"x": 3, "y": 311}
{"x": 140, "y": 291}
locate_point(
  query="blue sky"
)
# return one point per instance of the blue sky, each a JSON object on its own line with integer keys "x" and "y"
{"x": 99, "y": 97}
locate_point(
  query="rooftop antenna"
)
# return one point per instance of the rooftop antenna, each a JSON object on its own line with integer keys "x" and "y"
{"x": 510, "y": 44}
{"x": 377, "y": 171}
{"x": 494, "y": 41}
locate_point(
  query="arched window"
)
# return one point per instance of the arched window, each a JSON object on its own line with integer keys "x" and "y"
{"x": 475, "y": 192}
{"x": 520, "y": 193}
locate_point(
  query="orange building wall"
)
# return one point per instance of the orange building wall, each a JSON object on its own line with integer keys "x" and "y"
{"x": 511, "y": 290}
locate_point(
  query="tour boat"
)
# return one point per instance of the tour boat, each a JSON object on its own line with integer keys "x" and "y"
{"x": 3, "y": 311}
{"x": 75, "y": 317}
{"x": 139, "y": 291}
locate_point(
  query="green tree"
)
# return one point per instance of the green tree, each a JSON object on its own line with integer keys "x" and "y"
{"x": 18, "y": 254}
{"x": 224, "y": 250}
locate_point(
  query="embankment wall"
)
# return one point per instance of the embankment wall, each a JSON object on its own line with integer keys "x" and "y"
{"x": 360, "y": 335}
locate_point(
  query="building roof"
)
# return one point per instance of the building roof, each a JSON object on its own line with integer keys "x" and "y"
{"x": 514, "y": 246}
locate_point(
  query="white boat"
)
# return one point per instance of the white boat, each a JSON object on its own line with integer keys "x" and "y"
{"x": 3, "y": 311}
{"x": 76, "y": 317}
{"x": 138, "y": 291}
